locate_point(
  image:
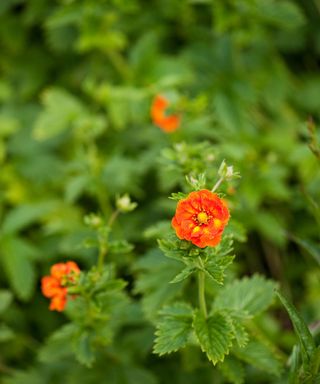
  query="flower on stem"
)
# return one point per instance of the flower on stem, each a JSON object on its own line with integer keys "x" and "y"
{"x": 55, "y": 287}
{"x": 201, "y": 218}
{"x": 168, "y": 123}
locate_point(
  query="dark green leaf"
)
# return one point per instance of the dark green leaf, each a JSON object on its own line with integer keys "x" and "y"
{"x": 232, "y": 369}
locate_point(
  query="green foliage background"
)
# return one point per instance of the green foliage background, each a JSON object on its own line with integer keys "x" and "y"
{"x": 77, "y": 78}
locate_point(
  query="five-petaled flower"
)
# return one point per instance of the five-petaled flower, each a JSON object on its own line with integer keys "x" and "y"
{"x": 201, "y": 218}
{"x": 167, "y": 123}
{"x": 55, "y": 286}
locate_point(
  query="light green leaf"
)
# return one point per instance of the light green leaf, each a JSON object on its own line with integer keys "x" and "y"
{"x": 18, "y": 267}
{"x": 171, "y": 248}
{"x": 173, "y": 329}
{"x": 240, "y": 333}
{"x": 300, "y": 327}
{"x": 5, "y": 299}
{"x": 250, "y": 295}
{"x": 185, "y": 273}
{"x": 232, "y": 369}
{"x": 214, "y": 333}
{"x": 259, "y": 356}
{"x": 61, "y": 110}
{"x": 6, "y": 333}
{"x": 24, "y": 215}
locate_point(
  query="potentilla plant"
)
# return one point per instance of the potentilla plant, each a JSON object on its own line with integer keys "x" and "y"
{"x": 93, "y": 300}
{"x": 220, "y": 318}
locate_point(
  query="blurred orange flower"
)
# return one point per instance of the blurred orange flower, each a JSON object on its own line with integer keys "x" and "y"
{"x": 168, "y": 123}
{"x": 55, "y": 286}
{"x": 201, "y": 218}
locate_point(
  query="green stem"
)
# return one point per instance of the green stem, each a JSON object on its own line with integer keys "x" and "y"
{"x": 217, "y": 184}
{"x": 103, "y": 249}
{"x": 102, "y": 253}
{"x": 202, "y": 298}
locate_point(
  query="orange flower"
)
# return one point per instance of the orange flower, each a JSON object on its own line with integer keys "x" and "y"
{"x": 158, "y": 114}
{"x": 55, "y": 286}
{"x": 201, "y": 218}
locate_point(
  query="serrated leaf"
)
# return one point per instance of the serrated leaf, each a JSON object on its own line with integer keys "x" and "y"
{"x": 173, "y": 328}
{"x": 240, "y": 333}
{"x": 301, "y": 329}
{"x": 178, "y": 196}
{"x": 5, "y": 299}
{"x": 248, "y": 295}
{"x": 18, "y": 267}
{"x": 171, "y": 249}
{"x": 260, "y": 356}
{"x": 185, "y": 273}
{"x": 232, "y": 369}
{"x": 214, "y": 333}
{"x": 215, "y": 268}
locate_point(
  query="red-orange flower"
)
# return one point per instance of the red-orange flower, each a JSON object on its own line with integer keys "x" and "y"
{"x": 167, "y": 123}
{"x": 201, "y": 218}
{"x": 55, "y": 286}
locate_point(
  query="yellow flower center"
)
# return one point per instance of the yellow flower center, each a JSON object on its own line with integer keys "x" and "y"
{"x": 202, "y": 218}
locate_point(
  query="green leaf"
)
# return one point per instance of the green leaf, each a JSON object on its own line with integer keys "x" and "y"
{"x": 58, "y": 345}
{"x": 300, "y": 327}
{"x": 259, "y": 356}
{"x": 240, "y": 333}
{"x": 214, "y": 333}
{"x": 311, "y": 248}
{"x": 232, "y": 369}
{"x": 248, "y": 295}
{"x": 6, "y": 333}
{"x": 185, "y": 273}
{"x": 119, "y": 246}
{"x": 24, "y": 215}
{"x": 18, "y": 266}
{"x": 154, "y": 275}
{"x": 61, "y": 110}
{"x": 83, "y": 349}
{"x": 178, "y": 196}
{"x": 173, "y": 329}
{"x": 5, "y": 299}
{"x": 215, "y": 268}
{"x": 172, "y": 248}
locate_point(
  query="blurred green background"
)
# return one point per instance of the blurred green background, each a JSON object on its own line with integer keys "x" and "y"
{"x": 77, "y": 79}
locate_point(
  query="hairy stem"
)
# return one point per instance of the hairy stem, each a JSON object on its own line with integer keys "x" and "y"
{"x": 202, "y": 298}
{"x": 217, "y": 184}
